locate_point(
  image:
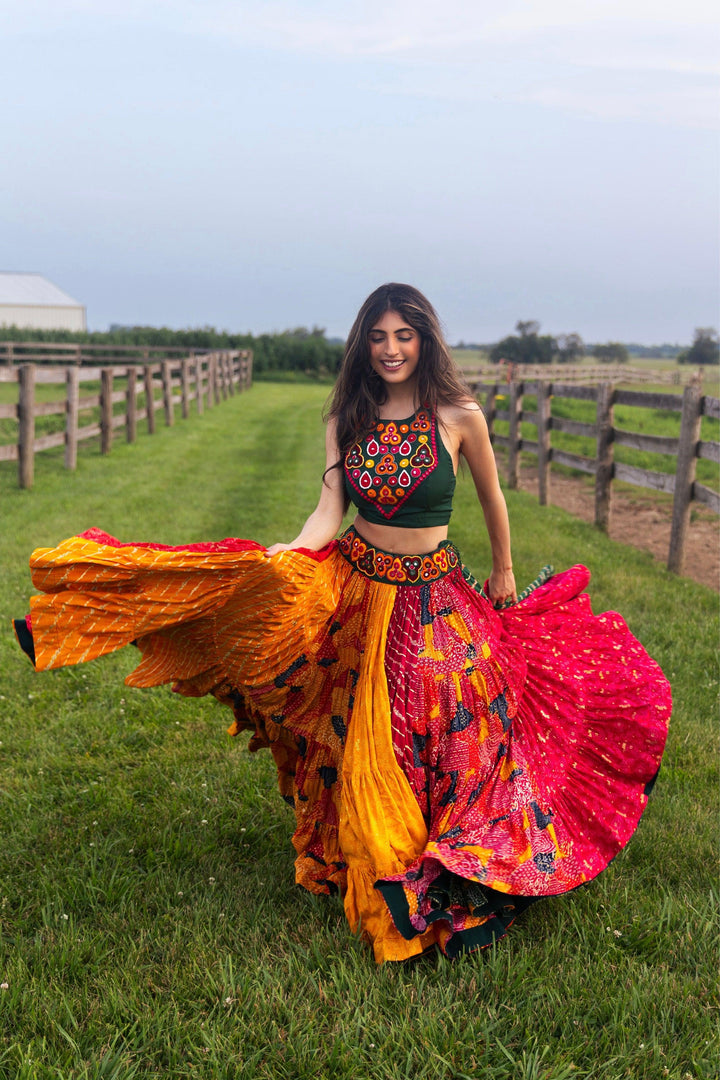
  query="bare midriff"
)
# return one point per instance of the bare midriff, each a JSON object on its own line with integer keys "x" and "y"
{"x": 401, "y": 541}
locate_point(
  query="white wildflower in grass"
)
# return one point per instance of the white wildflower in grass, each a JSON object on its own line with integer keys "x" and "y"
{"x": 228, "y": 1000}
{"x": 204, "y": 821}
{"x": 64, "y": 916}
{"x": 211, "y": 880}
{"x": 4, "y": 986}
{"x": 181, "y": 894}
{"x": 617, "y": 933}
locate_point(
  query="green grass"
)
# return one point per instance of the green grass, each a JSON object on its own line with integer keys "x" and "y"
{"x": 150, "y": 927}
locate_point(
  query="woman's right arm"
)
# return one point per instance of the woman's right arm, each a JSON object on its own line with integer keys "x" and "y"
{"x": 323, "y": 524}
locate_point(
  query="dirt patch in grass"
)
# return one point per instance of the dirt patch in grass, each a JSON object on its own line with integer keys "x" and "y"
{"x": 642, "y": 521}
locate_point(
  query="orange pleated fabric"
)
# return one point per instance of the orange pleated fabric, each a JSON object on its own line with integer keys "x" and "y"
{"x": 219, "y": 617}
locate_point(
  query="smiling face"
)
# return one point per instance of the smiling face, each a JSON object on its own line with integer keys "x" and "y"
{"x": 394, "y": 349}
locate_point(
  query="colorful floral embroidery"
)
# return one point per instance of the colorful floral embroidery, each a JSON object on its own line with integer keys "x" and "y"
{"x": 397, "y": 569}
{"x": 388, "y": 466}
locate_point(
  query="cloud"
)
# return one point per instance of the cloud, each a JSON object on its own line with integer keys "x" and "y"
{"x": 544, "y": 45}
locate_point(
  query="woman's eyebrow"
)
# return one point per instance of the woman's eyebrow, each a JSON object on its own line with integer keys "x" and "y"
{"x": 400, "y": 330}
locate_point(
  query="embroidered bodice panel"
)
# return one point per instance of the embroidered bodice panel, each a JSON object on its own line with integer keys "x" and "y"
{"x": 402, "y": 473}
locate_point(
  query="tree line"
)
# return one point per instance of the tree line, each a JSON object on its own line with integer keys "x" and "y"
{"x": 529, "y": 346}
{"x": 311, "y": 352}
{"x": 300, "y": 349}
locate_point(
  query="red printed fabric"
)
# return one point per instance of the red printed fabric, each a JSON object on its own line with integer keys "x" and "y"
{"x": 529, "y": 737}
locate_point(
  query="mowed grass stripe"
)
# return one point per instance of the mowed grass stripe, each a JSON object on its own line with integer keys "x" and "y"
{"x": 150, "y": 927}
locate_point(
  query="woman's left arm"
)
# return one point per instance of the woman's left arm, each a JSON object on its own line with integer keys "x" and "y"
{"x": 477, "y": 450}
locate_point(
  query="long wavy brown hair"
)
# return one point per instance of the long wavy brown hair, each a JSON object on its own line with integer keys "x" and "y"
{"x": 359, "y": 391}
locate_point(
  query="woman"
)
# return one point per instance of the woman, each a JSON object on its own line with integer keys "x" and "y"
{"x": 449, "y": 763}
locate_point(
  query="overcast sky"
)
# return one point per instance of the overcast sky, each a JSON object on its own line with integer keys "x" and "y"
{"x": 262, "y": 164}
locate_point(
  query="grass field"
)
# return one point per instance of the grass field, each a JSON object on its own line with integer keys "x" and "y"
{"x": 150, "y": 927}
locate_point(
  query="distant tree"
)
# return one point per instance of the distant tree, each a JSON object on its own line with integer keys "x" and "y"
{"x": 612, "y": 353}
{"x": 528, "y": 327}
{"x": 529, "y": 347}
{"x": 571, "y": 347}
{"x": 704, "y": 349}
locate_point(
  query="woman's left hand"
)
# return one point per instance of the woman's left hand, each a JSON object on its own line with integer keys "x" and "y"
{"x": 501, "y": 587}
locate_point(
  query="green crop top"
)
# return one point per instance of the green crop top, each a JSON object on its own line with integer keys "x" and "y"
{"x": 402, "y": 474}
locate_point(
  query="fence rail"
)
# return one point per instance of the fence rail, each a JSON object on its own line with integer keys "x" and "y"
{"x": 199, "y": 380}
{"x": 52, "y": 352}
{"x": 693, "y": 405}
{"x": 582, "y": 373}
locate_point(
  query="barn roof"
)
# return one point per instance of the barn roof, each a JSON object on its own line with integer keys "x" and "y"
{"x": 19, "y": 288}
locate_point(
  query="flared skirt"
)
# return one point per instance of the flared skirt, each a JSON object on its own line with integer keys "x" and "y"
{"x": 448, "y": 764}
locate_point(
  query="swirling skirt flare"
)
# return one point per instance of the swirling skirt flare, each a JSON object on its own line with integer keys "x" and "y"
{"x": 448, "y": 764}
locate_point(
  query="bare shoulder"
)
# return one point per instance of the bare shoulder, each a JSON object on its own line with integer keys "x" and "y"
{"x": 465, "y": 417}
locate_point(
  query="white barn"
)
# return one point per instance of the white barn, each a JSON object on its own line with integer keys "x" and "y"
{"x": 31, "y": 302}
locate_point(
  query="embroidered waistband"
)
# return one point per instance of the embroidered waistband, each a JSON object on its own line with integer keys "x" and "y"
{"x": 394, "y": 569}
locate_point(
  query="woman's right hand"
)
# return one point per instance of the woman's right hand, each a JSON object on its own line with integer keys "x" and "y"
{"x": 277, "y": 547}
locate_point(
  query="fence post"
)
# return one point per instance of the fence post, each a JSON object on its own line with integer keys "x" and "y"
{"x": 149, "y": 398}
{"x": 515, "y": 404}
{"x": 604, "y": 456}
{"x": 215, "y": 380}
{"x": 167, "y": 393}
{"x": 199, "y": 384}
{"x": 26, "y": 425}
{"x": 131, "y": 405}
{"x": 685, "y": 474}
{"x": 490, "y": 410}
{"x": 248, "y": 370}
{"x": 106, "y": 410}
{"x": 544, "y": 395}
{"x": 223, "y": 375}
{"x": 185, "y": 386}
{"x": 72, "y": 395}
{"x": 228, "y": 365}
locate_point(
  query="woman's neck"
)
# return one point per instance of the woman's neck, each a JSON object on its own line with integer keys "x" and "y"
{"x": 397, "y": 406}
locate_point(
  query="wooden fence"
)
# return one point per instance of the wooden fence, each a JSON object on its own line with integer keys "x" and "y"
{"x": 686, "y": 449}
{"x": 583, "y": 373}
{"x": 202, "y": 380}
